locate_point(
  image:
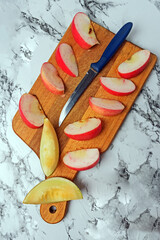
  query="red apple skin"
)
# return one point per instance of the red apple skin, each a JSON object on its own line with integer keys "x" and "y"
{"x": 114, "y": 92}
{"x": 48, "y": 85}
{"x": 82, "y": 43}
{"x": 78, "y": 37}
{"x": 62, "y": 64}
{"x": 136, "y": 72}
{"x": 24, "y": 118}
{"x": 85, "y": 168}
{"x": 103, "y": 111}
{"x": 87, "y": 135}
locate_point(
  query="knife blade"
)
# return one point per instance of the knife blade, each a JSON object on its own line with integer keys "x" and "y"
{"x": 95, "y": 68}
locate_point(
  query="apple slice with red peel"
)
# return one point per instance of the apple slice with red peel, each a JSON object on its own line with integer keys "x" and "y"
{"x": 135, "y": 65}
{"x": 117, "y": 86}
{"x": 51, "y": 79}
{"x": 51, "y": 190}
{"x": 31, "y": 111}
{"x": 82, "y": 159}
{"x": 106, "y": 107}
{"x": 66, "y": 59}
{"x": 83, "y": 31}
{"x": 84, "y": 129}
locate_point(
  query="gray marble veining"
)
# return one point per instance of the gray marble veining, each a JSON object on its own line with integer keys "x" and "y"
{"x": 122, "y": 193}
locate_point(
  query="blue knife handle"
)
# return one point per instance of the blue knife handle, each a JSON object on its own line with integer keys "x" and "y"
{"x": 112, "y": 47}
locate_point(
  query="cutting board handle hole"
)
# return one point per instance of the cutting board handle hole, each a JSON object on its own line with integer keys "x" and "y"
{"x": 52, "y": 209}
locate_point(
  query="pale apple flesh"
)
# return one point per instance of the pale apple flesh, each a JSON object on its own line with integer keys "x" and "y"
{"x": 83, "y": 159}
{"x": 117, "y": 86}
{"x": 51, "y": 79}
{"x": 49, "y": 148}
{"x": 84, "y": 129}
{"x": 83, "y": 31}
{"x": 135, "y": 65}
{"x": 31, "y": 111}
{"x": 66, "y": 60}
{"x": 51, "y": 190}
{"x": 106, "y": 107}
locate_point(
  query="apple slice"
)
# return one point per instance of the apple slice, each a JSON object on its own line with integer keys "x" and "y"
{"x": 117, "y": 86}
{"x": 31, "y": 111}
{"x": 83, "y": 31}
{"x": 106, "y": 107}
{"x": 84, "y": 129}
{"x": 135, "y": 65}
{"x": 51, "y": 190}
{"x": 82, "y": 159}
{"x": 51, "y": 79}
{"x": 49, "y": 148}
{"x": 66, "y": 59}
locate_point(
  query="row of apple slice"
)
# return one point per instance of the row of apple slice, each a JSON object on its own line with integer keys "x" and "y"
{"x": 67, "y": 61}
{"x": 115, "y": 86}
{"x": 32, "y": 114}
{"x": 87, "y": 129}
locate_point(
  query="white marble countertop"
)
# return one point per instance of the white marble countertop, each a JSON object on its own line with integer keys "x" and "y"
{"x": 122, "y": 193}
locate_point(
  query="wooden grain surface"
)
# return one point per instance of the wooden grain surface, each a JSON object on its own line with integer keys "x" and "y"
{"x": 53, "y": 105}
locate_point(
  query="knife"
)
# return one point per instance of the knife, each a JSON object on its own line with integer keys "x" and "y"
{"x": 95, "y": 68}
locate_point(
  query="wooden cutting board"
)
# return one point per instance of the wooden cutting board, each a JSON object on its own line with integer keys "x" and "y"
{"x": 53, "y": 105}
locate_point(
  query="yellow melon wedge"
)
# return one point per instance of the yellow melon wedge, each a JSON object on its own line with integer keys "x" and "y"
{"x": 49, "y": 148}
{"x": 51, "y": 190}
